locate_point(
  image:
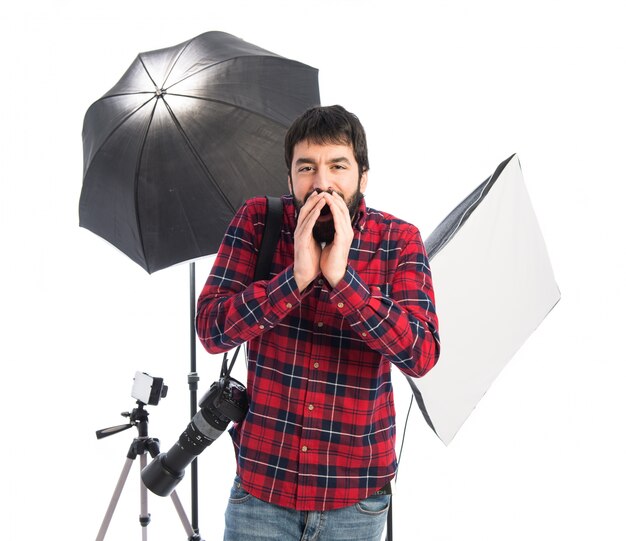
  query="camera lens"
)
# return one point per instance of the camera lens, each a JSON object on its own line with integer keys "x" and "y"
{"x": 224, "y": 402}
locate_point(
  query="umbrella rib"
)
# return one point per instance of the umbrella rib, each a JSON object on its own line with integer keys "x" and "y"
{"x": 221, "y": 62}
{"x": 117, "y": 128}
{"x": 197, "y": 156}
{"x": 239, "y": 107}
{"x": 150, "y": 92}
{"x": 176, "y": 61}
{"x": 147, "y": 72}
{"x": 256, "y": 160}
{"x": 136, "y": 187}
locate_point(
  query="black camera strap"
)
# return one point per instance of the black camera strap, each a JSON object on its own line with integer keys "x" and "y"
{"x": 226, "y": 368}
{"x": 271, "y": 233}
{"x": 273, "y": 224}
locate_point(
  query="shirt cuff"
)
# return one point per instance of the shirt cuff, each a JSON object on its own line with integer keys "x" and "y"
{"x": 351, "y": 293}
{"x": 283, "y": 293}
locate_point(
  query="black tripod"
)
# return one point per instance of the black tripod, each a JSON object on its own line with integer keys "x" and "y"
{"x": 141, "y": 445}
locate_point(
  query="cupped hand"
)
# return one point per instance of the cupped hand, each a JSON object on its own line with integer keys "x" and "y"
{"x": 307, "y": 251}
{"x": 334, "y": 257}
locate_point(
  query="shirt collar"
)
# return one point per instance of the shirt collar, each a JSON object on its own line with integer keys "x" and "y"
{"x": 361, "y": 215}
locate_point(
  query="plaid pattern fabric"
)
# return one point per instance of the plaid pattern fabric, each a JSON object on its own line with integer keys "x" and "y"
{"x": 320, "y": 432}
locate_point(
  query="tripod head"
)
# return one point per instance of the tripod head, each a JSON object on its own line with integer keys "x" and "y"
{"x": 147, "y": 391}
{"x": 138, "y": 417}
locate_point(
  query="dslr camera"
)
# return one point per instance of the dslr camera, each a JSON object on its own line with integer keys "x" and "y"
{"x": 225, "y": 401}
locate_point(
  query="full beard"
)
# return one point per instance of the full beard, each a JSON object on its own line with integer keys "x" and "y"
{"x": 324, "y": 230}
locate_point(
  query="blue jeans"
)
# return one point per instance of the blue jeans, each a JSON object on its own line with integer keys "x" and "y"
{"x": 250, "y": 519}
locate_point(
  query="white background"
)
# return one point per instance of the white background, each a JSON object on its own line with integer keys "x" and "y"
{"x": 446, "y": 90}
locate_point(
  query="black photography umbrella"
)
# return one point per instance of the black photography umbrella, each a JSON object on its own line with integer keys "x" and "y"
{"x": 179, "y": 143}
{"x": 187, "y": 134}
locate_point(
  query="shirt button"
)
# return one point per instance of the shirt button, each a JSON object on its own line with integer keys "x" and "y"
{"x": 289, "y": 305}
{"x": 363, "y": 333}
{"x": 320, "y": 281}
{"x": 340, "y": 305}
{"x": 320, "y": 324}
{"x": 316, "y": 365}
{"x": 304, "y": 448}
{"x": 261, "y": 327}
{"x": 311, "y": 407}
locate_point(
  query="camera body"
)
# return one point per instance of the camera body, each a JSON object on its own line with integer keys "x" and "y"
{"x": 226, "y": 398}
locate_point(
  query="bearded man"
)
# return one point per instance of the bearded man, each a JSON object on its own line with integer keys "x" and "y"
{"x": 349, "y": 294}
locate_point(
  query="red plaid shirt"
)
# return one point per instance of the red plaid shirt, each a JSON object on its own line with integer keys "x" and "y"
{"x": 320, "y": 432}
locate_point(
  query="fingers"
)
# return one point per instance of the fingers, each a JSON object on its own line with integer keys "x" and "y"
{"x": 306, "y": 249}
{"x": 335, "y": 255}
{"x": 340, "y": 212}
{"x": 310, "y": 212}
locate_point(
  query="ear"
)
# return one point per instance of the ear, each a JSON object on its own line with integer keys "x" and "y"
{"x": 363, "y": 182}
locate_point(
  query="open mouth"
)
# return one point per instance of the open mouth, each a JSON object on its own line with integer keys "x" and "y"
{"x": 325, "y": 215}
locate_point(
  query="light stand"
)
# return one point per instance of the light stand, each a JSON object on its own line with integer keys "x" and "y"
{"x": 139, "y": 447}
{"x": 192, "y": 380}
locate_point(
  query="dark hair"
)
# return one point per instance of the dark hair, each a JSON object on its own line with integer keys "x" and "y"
{"x": 331, "y": 124}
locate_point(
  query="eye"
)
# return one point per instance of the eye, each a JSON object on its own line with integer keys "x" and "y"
{"x": 305, "y": 169}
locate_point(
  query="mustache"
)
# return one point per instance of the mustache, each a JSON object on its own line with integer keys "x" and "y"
{"x": 326, "y": 209}
{"x": 317, "y": 190}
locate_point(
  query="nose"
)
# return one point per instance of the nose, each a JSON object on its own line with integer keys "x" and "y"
{"x": 322, "y": 181}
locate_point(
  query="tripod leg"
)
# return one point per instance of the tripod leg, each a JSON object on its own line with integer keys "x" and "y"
{"x": 153, "y": 448}
{"x": 114, "y": 499}
{"x": 183, "y": 516}
{"x": 144, "y": 517}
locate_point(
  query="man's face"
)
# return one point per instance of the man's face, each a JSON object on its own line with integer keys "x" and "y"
{"x": 326, "y": 167}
